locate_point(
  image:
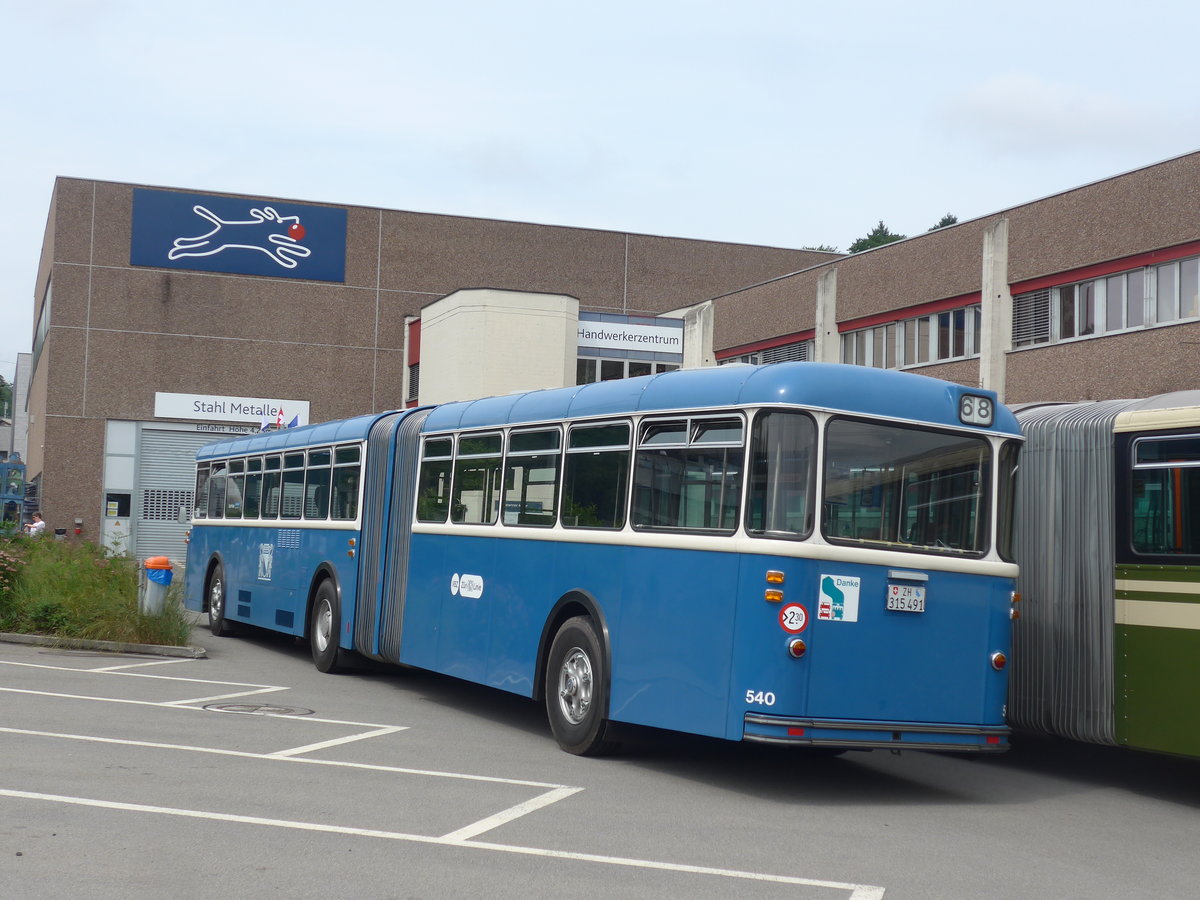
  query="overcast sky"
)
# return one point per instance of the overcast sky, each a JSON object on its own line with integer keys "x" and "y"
{"x": 781, "y": 122}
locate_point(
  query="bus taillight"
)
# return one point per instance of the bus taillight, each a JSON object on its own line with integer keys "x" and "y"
{"x": 999, "y": 661}
{"x": 797, "y": 648}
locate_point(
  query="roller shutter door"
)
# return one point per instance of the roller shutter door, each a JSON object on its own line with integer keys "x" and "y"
{"x": 166, "y": 474}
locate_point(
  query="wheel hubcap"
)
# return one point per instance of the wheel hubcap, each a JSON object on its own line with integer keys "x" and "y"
{"x": 324, "y": 625}
{"x": 216, "y": 598}
{"x": 575, "y": 686}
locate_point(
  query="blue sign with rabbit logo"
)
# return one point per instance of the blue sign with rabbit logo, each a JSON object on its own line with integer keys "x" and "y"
{"x": 237, "y": 235}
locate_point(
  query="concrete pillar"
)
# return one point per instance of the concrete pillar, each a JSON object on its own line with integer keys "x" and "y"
{"x": 997, "y": 310}
{"x": 697, "y": 335}
{"x": 827, "y": 343}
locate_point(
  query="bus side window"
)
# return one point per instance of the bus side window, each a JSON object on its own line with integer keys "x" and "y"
{"x": 433, "y": 491}
{"x": 1165, "y": 506}
{"x": 291, "y": 503}
{"x": 270, "y": 506}
{"x": 344, "y": 500}
{"x": 216, "y": 491}
{"x": 200, "y": 510}
{"x": 316, "y": 484}
{"x": 782, "y": 450}
{"x": 251, "y": 499}
{"x": 596, "y": 476}
{"x": 689, "y": 474}
{"x": 476, "y": 494}
{"x": 531, "y": 478}
{"x": 234, "y": 486}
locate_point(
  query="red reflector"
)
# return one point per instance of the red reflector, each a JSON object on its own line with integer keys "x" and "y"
{"x": 795, "y": 732}
{"x": 993, "y": 739}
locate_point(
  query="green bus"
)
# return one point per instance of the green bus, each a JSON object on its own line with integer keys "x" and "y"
{"x": 1106, "y": 648}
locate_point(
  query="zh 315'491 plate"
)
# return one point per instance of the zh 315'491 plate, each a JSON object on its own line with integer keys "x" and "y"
{"x": 906, "y": 598}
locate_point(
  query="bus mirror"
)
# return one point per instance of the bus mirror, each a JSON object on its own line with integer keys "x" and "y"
{"x": 183, "y": 517}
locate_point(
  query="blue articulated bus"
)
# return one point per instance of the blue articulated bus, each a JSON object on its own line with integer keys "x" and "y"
{"x": 799, "y": 553}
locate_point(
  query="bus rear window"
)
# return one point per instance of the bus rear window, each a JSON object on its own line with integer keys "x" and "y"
{"x": 906, "y": 487}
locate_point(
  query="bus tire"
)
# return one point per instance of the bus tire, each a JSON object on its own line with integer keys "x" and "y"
{"x": 216, "y": 591}
{"x": 577, "y": 689}
{"x": 323, "y": 629}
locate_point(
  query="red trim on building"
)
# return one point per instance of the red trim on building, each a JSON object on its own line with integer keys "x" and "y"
{"x": 414, "y": 342}
{"x": 1099, "y": 270}
{"x": 768, "y": 344}
{"x": 921, "y": 309}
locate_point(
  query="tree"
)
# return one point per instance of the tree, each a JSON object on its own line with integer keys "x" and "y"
{"x": 947, "y": 219}
{"x": 879, "y": 236}
{"x": 5, "y": 398}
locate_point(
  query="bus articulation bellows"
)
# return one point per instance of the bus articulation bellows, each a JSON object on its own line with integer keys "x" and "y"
{"x": 804, "y": 554}
{"x": 1108, "y": 538}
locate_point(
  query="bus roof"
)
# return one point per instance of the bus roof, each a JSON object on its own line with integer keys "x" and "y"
{"x": 355, "y": 429}
{"x": 857, "y": 389}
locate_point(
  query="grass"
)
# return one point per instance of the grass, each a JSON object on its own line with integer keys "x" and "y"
{"x": 77, "y": 590}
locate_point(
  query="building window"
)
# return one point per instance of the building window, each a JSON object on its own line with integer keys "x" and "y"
{"x": 589, "y": 369}
{"x": 797, "y": 351}
{"x": 1031, "y": 318}
{"x": 938, "y": 337}
{"x": 1139, "y": 298}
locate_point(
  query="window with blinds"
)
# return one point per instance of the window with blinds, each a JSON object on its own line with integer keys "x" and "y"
{"x": 1031, "y": 318}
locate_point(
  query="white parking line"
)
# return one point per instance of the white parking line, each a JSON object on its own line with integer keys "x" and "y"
{"x": 246, "y": 754}
{"x": 156, "y": 662}
{"x": 856, "y": 891}
{"x": 462, "y": 837}
{"x": 508, "y": 815}
{"x": 323, "y": 745}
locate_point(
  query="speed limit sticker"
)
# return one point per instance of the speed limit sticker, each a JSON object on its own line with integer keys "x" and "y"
{"x": 793, "y": 618}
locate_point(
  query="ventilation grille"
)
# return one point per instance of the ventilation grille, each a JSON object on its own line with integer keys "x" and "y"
{"x": 163, "y": 506}
{"x": 797, "y": 352}
{"x": 414, "y": 381}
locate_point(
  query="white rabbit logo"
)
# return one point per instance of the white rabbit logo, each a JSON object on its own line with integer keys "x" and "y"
{"x": 251, "y": 234}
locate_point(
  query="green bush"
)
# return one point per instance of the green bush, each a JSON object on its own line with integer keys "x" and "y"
{"x": 77, "y": 590}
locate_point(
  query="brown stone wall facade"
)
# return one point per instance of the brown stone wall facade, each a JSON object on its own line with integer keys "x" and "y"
{"x": 1135, "y": 220}
{"x": 116, "y": 334}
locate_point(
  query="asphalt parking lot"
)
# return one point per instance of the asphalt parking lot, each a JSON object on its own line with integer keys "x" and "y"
{"x": 248, "y": 773}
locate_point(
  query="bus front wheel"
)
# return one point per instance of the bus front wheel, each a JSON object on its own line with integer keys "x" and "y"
{"x": 576, "y": 689}
{"x": 324, "y": 628}
{"x": 216, "y": 592}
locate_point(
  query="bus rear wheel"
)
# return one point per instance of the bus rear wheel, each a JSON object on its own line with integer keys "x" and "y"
{"x": 324, "y": 627}
{"x": 215, "y": 591}
{"x": 577, "y": 689}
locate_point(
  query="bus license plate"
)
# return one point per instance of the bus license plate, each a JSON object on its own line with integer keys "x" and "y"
{"x": 906, "y": 598}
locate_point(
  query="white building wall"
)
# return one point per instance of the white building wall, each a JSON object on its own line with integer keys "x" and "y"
{"x": 20, "y": 420}
{"x": 485, "y": 343}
